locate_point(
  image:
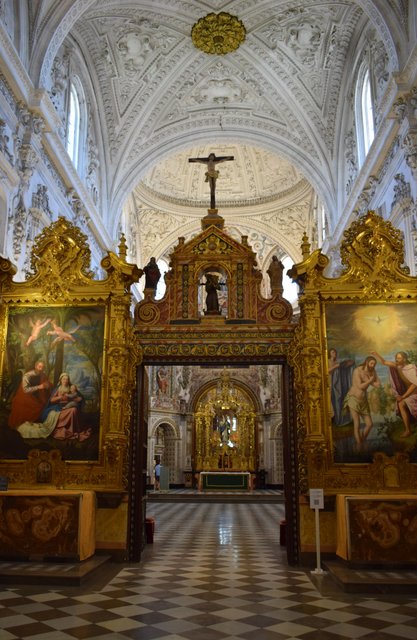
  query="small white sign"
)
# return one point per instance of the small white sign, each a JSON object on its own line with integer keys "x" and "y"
{"x": 316, "y": 499}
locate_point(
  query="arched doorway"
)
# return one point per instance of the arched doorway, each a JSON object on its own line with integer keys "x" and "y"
{"x": 225, "y": 428}
{"x": 162, "y": 447}
{"x": 164, "y": 440}
{"x": 249, "y": 330}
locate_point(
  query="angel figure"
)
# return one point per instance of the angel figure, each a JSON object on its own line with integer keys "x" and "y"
{"x": 61, "y": 334}
{"x": 36, "y": 325}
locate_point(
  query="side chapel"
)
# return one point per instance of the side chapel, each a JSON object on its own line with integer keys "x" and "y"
{"x": 89, "y": 459}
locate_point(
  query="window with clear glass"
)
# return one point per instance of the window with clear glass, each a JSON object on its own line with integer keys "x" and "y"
{"x": 364, "y": 113}
{"x": 367, "y": 114}
{"x": 74, "y": 125}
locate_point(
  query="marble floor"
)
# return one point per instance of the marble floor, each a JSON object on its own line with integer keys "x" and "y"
{"x": 214, "y": 572}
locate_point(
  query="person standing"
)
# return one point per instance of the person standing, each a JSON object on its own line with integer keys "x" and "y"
{"x": 157, "y": 472}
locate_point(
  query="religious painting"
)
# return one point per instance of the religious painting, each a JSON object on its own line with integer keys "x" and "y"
{"x": 372, "y": 369}
{"x": 51, "y": 383}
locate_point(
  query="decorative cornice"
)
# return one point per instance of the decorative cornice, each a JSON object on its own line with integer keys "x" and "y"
{"x": 294, "y": 191}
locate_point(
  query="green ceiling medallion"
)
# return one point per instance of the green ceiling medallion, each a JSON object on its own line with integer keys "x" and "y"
{"x": 218, "y": 33}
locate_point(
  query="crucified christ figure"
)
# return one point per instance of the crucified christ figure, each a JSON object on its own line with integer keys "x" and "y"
{"x": 212, "y": 174}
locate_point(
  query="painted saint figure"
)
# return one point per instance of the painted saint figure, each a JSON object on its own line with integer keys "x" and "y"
{"x": 30, "y": 397}
{"x": 340, "y": 380}
{"x": 356, "y": 399}
{"x": 403, "y": 378}
{"x": 212, "y": 173}
{"x": 60, "y": 416}
{"x": 162, "y": 380}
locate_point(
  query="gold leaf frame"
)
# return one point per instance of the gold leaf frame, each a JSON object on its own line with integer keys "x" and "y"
{"x": 61, "y": 278}
{"x": 373, "y": 273}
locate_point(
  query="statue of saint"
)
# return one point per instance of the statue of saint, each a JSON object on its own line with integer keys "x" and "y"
{"x": 152, "y": 274}
{"x": 275, "y": 272}
{"x": 212, "y": 299}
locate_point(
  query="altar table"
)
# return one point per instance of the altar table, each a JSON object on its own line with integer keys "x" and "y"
{"x": 48, "y": 524}
{"x": 225, "y": 480}
{"x": 378, "y": 529}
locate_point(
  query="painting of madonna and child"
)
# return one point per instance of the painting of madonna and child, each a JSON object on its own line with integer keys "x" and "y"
{"x": 372, "y": 369}
{"x": 51, "y": 383}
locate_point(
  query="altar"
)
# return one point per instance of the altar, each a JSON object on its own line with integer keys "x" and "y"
{"x": 225, "y": 481}
{"x": 225, "y": 443}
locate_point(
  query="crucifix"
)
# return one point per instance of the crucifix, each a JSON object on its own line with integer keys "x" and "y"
{"x": 212, "y": 174}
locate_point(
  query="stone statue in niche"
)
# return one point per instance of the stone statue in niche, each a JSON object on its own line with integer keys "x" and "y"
{"x": 212, "y": 300}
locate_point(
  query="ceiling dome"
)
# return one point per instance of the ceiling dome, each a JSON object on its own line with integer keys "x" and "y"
{"x": 253, "y": 177}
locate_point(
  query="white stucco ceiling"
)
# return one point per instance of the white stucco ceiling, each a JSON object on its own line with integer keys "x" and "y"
{"x": 275, "y": 104}
{"x": 255, "y": 175}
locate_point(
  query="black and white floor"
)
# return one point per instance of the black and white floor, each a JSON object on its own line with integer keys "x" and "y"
{"x": 216, "y": 571}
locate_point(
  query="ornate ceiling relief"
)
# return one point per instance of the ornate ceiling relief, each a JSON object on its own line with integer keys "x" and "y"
{"x": 294, "y": 219}
{"x": 261, "y": 243}
{"x": 156, "y": 226}
{"x": 312, "y": 47}
{"x": 255, "y": 175}
{"x": 132, "y": 49}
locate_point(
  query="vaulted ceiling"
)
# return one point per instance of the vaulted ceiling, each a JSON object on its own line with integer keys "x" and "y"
{"x": 275, "y": 103}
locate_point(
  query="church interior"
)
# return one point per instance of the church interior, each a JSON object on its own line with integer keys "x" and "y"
{"x": 208, "y": 280}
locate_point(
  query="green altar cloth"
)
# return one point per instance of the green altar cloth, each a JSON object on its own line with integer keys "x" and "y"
{"x": 225, "y": 481}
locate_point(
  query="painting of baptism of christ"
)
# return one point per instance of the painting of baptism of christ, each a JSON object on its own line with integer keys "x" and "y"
{"x": 51, "y": 382}
{"x": 372, "y": 369}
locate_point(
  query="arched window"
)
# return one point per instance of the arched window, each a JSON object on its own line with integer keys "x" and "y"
{"x": 76, "y": 122}
{"x": 290, "y": 292}
{"x": 367, "y": 113}
{"x": 364, "y": 113}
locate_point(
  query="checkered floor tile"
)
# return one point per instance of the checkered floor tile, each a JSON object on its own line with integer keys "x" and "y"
{"x": 214, "y": 572}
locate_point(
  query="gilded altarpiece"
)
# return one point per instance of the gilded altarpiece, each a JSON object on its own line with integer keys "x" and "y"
{"x": 225, "y": 429}
{"x": 186, "y": 326}
{"x": 68, "y": 364}
{"x": 353, "y": 349}
{"x": 244, "y": 326}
